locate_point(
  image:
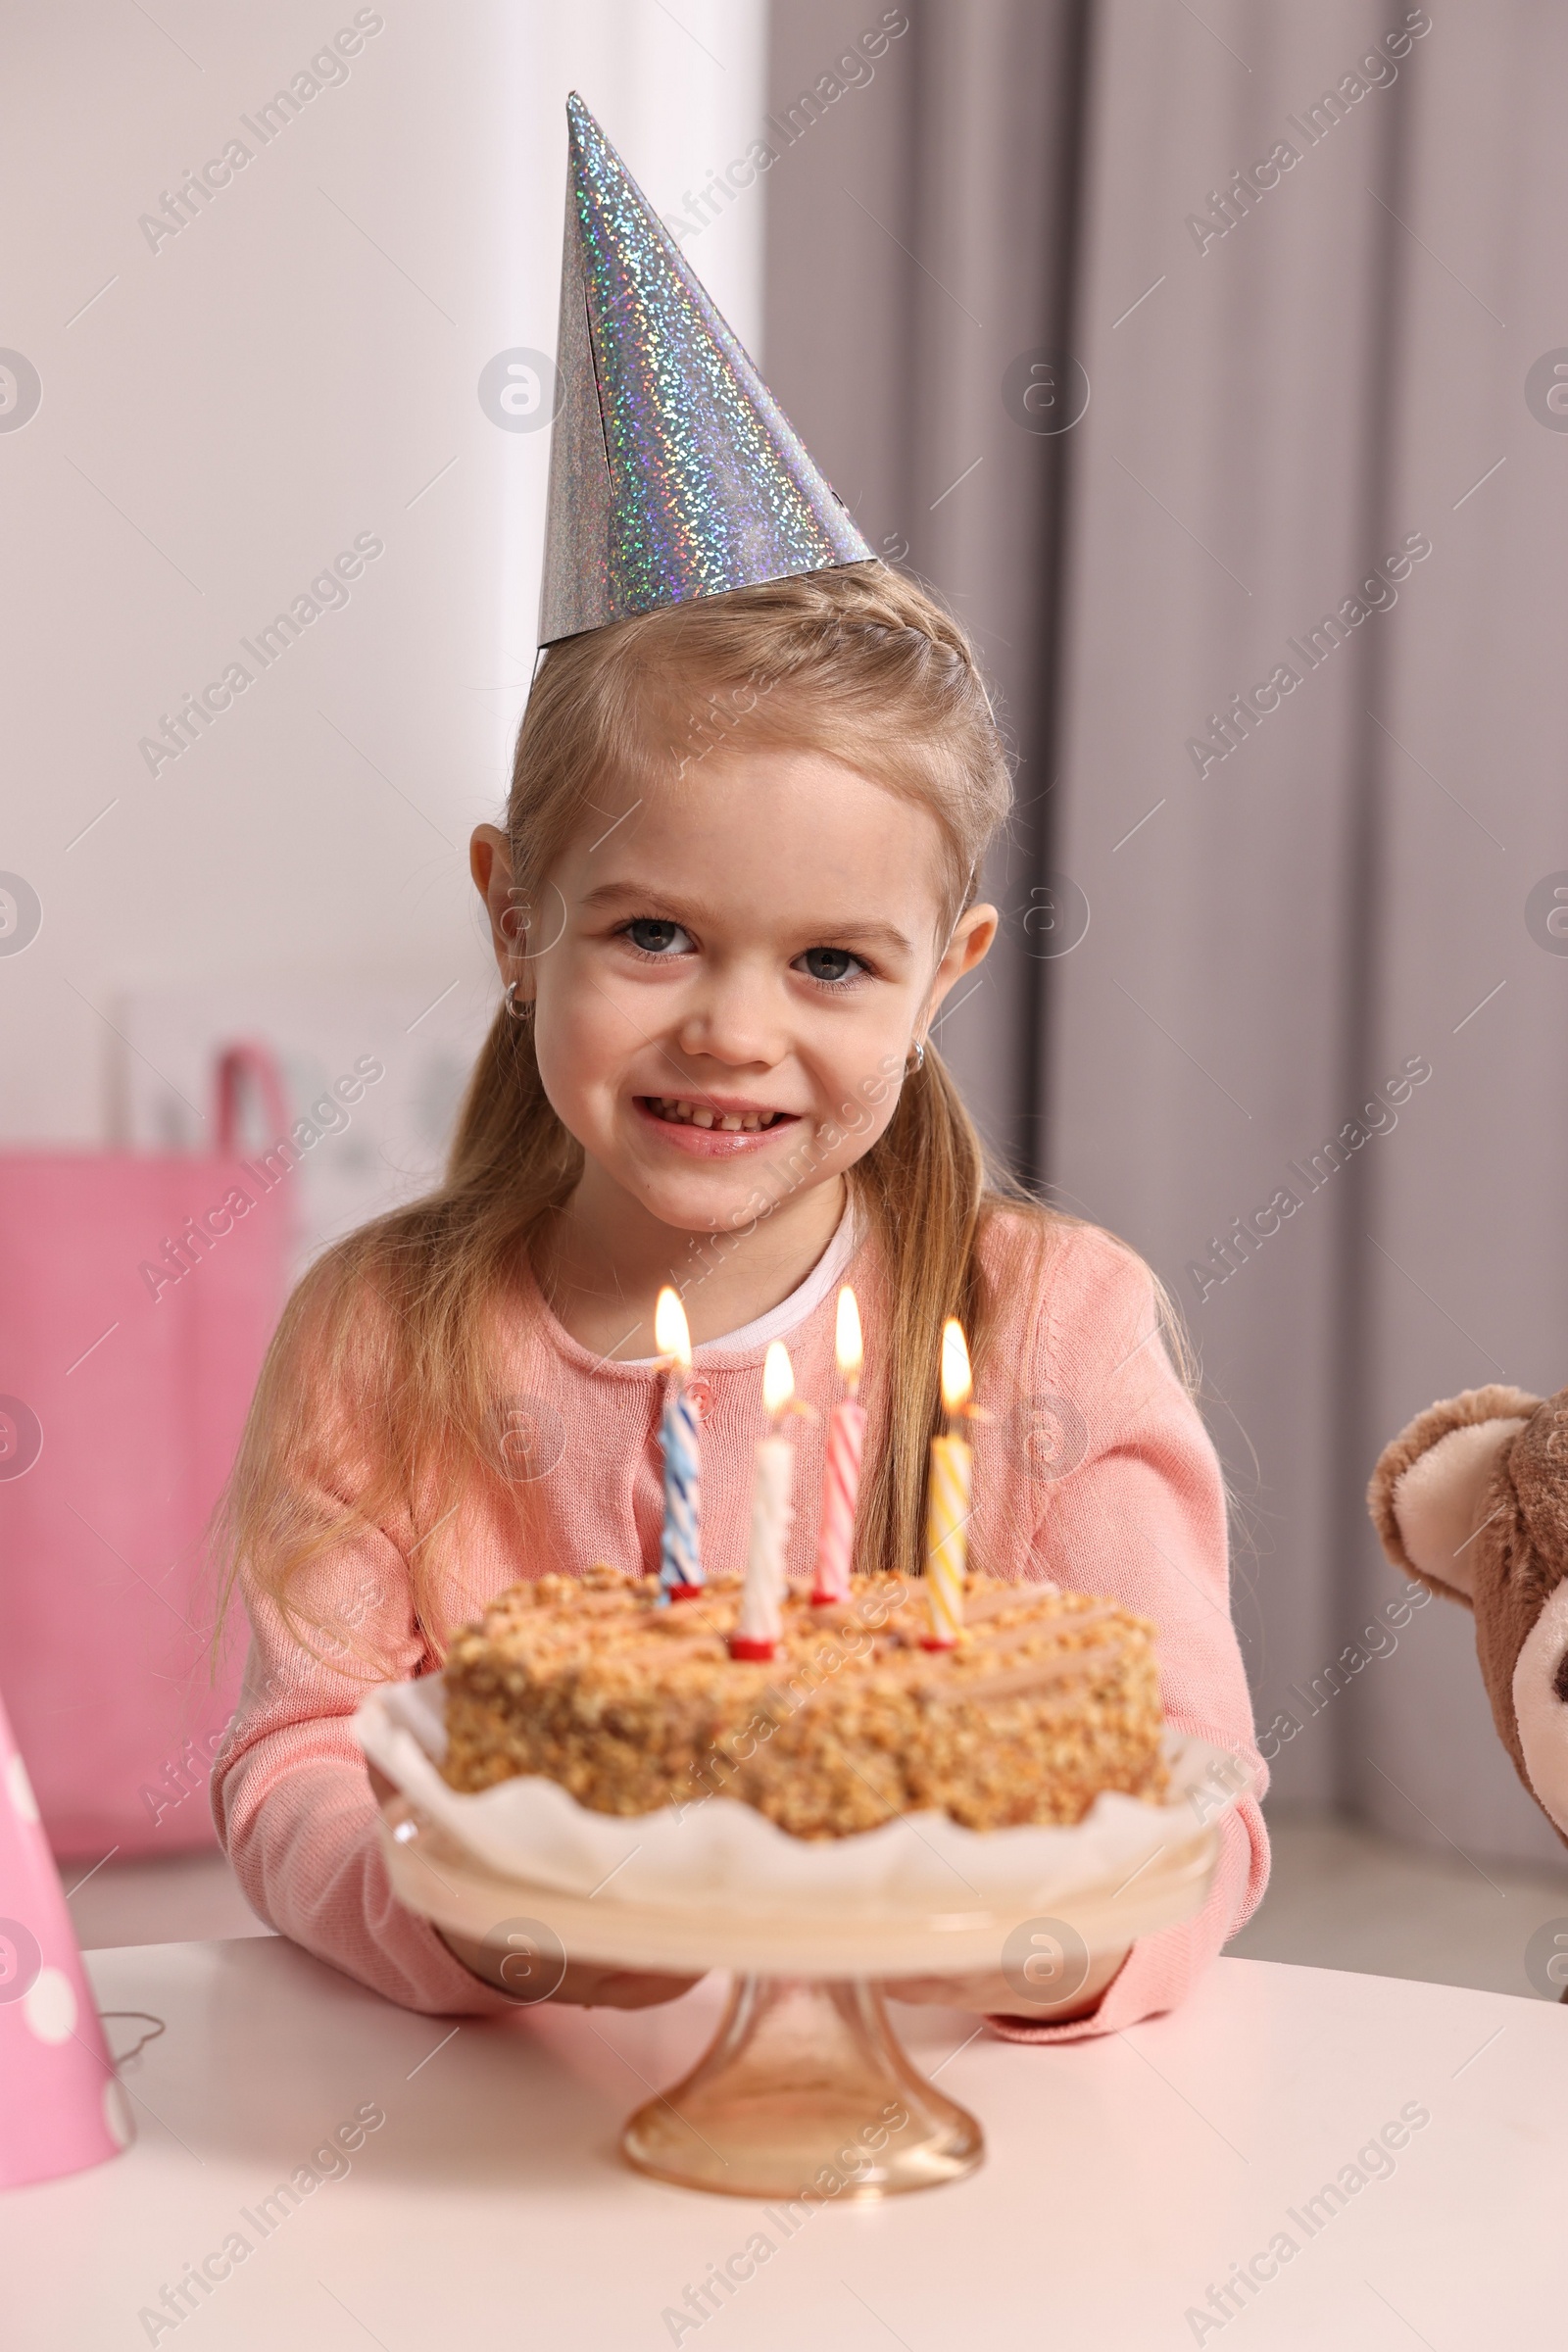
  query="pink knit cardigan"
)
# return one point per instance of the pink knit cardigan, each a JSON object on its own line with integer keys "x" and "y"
{"x": 1093, "y": 1468}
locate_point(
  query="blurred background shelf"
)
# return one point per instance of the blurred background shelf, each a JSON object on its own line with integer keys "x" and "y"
{"x": 1344, "y": 1896}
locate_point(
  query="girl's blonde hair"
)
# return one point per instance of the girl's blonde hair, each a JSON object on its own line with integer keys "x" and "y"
{"x": 384, "y": 1356}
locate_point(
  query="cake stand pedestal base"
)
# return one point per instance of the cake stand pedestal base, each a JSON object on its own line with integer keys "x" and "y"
{"x": 804, "y": 2091}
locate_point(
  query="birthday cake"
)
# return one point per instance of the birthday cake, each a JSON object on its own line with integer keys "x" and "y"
{"x": 1050, "y": 1697}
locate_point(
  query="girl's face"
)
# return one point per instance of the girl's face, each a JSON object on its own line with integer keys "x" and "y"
{"x": 727, "y": 978}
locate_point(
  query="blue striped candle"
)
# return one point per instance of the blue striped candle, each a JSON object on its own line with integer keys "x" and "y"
{"x": 680, "y": 1563}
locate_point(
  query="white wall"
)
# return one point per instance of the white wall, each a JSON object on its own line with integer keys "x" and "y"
{"x": 297, "y": 366}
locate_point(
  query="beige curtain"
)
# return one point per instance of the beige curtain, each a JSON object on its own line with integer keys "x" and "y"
{"x": 1277, "y": 626}
{"x": 920, "y": 244}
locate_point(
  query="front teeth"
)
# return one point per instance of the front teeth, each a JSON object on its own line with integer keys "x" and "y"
{"x": 696, "y": 1115}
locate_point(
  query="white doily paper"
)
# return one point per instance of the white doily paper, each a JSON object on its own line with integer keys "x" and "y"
{"x": 718, "y": 1852}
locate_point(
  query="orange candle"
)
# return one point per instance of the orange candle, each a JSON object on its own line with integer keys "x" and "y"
{"x": 947, "y": 1504}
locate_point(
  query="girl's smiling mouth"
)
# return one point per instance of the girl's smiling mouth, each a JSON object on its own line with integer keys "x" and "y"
{"x": 712, "y": 1126}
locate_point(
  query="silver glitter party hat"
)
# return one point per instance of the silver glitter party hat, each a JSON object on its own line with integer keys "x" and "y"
{"x": 673, "y": 471}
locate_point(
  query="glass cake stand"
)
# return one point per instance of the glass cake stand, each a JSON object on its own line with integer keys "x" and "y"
{"x": 804, "y": 2090}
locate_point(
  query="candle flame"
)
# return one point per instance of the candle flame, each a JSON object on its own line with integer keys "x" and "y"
{"x": 850, "y": 1347}
{"x": 778, "y": 1378}
{"x": 957, "y": 1382}
{"x": 670, "y": 1335}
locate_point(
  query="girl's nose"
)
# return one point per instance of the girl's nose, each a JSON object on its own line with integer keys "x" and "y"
{"x": 735, "y": 1017}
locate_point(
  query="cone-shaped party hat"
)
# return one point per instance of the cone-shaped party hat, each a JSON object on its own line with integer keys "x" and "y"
{"x": 61, "y": 2108}
{"x": 673, "y": 471}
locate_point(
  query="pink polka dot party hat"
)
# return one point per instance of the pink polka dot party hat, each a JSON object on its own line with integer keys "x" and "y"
{"x": 61, "y": 2107}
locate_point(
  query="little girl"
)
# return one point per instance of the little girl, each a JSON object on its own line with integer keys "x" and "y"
{"x": 712, "y": 1067}
{"x": 737, "y": 880}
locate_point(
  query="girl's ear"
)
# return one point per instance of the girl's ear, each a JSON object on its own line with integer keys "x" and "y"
{"x": 490, "y": 864}
{"x": 970, "y": 944}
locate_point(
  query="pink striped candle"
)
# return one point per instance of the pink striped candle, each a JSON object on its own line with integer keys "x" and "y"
{"x": 841, "y": 1479}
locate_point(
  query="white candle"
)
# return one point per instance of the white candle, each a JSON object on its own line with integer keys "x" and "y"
{"x": 760, "y": 1624}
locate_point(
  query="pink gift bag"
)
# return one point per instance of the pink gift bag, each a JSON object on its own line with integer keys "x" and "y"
{"x": 137, "y": 1295}
{"x": 61, "y": 2108}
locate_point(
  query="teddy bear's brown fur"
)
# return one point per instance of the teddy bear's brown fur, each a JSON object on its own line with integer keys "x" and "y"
{"x": 1517, "y": 1548}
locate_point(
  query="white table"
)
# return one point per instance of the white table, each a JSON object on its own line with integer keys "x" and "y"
{"x": 1125, "y": 2177}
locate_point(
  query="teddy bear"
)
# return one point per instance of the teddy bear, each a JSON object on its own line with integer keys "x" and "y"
{"x": 1472, "y": 1498}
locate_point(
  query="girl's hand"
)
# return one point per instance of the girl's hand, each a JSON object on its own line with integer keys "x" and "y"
{"x": 584, "y": 1982}
{"x": 992, "y": 1994}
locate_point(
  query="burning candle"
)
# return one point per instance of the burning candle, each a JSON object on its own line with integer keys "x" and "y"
{"x": 680, "y": 1565}
{"x": 947, "y": 1523}
{"x": 841, "y": 1478}
{"x": 760, "y": 1623}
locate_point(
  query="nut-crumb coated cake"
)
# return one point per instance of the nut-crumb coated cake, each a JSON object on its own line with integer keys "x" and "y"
{"x": 1051, "y": 1698}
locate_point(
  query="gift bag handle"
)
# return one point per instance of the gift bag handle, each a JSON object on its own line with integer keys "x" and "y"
{"x": 248, "y": 1062}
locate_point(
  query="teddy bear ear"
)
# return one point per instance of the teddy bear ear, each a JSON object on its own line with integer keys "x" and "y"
{"x": 1541, "y": 1707}
{"x": 1427, "y": 1489}
{"x": 1438, "y": 1503}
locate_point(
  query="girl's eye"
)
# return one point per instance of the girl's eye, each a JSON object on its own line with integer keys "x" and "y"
{"x": 651, "y": 938}
{"x": 831, "y": 964}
